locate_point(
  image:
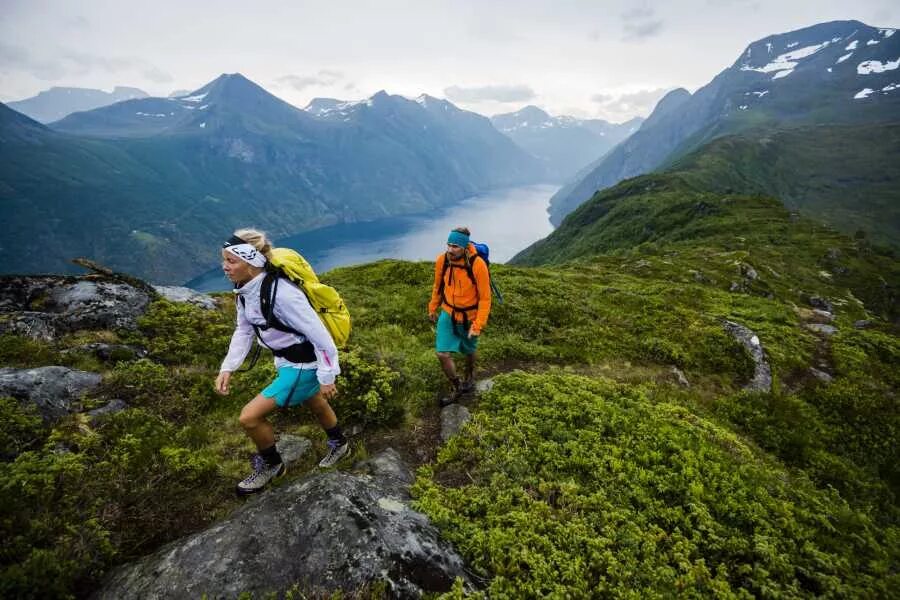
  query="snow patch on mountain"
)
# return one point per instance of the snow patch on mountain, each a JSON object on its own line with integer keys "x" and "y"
{"x": 863, "y": 93}
{"x": 196, "y": 98}
{"x": 875, "y": 66}
{"x": 871, "y": 42}
{"x": 843, "y": 58}
{"x": 887, "y": 32}
{"x": 890, "y": 87}
{"x": 784, "y": 64}
{"x": 852, "y": 45}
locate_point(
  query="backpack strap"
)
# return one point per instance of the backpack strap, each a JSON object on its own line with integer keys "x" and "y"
{"x": 454, "y": 310}
{"x": 303, "y": 352}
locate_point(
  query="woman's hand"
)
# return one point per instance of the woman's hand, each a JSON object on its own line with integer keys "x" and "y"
{"x": 222, "y": 380}
{"x": 329, "y": 390}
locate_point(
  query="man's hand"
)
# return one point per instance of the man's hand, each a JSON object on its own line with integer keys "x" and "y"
{"x": 432, "y": 317}
{"x": 329, "y": 390}
{"x": 472, "y": 333}
{"x": 222, "y": 380}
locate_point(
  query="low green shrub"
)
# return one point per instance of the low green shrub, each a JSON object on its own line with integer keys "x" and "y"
{"x": 21, "y": 427}
{"x": 564, "y": 486}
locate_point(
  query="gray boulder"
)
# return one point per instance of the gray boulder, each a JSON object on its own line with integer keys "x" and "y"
{"x": 326, "y": 532}
{"x": 679, "y": 377}
{"x": 45, "y": 307}
{"x": 822, "y": 329}
{"x": 762, "y": 373}
{"x": 185, "y": 294}
{"x": 109, "y": 352}
{"x": 112, "y": 407}
{"x": 453, "y": 417}
{"x": 292, "y": 447}
{"x": 54, "y": 390}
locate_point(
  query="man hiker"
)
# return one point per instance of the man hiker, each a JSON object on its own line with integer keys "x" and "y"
{"x": 462, "y": 292}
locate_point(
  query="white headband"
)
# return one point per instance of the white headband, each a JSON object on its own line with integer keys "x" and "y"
{"x": 248, "y": 254}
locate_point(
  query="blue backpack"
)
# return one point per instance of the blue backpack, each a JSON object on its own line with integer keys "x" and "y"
{"x": 483, "y": 252}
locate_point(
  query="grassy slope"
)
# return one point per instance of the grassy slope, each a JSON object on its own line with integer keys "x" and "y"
{"x": 578, "y": 330}
{"x": 587, "y": 467}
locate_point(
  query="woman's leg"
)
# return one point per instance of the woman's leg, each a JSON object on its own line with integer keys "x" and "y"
{"x": 253, "y": 420}
{"x": 323, "y": 411}
{"x": 337, "y": 442}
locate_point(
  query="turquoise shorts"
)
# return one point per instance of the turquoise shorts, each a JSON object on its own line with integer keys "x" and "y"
{"x": 451, "y": 337}
{"x": 303, "y": 382}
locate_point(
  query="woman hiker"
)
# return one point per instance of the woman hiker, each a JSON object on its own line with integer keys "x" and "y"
{"x": 306, "y": 358}
{"x": 462, "y": 290}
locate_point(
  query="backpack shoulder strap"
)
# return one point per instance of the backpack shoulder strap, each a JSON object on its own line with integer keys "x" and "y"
{"x": 268, "y": 291}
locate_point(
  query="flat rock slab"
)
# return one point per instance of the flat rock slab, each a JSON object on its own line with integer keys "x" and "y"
{"x": 54, "y": 390}
{"x": 327, "y": 532}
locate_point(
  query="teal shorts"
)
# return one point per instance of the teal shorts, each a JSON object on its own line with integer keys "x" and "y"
{"x": 451, "y": 337}
{"x": 303, "y": 382}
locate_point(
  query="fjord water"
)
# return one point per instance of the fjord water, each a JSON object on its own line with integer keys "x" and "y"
{"x": 508, "y": 220}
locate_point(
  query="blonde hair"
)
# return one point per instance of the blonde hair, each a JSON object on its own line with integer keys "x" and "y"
{"x": 257, "y": 239}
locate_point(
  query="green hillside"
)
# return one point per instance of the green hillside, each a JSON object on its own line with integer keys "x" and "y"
{"x": 618, "y": 452}
{"x": 587, "y": 467}
{"x": 845, "y": 176}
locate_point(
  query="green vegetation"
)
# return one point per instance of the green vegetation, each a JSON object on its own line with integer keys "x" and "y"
{"x": 565, "y": 486}
{"x": 588, "y": 469}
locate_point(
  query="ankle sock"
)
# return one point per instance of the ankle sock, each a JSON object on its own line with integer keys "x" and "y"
{"x": 271, "y": 456}
{"x": 335, "y": 433}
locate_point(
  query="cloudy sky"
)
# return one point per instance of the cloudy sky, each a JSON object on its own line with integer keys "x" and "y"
{"x": 607, "y": 59}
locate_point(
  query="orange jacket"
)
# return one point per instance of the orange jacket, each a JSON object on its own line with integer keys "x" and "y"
{"x": 460, "y": 292}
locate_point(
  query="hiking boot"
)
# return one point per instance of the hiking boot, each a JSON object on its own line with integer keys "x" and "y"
{"x": 451, "y": 398}
{"x": 336, "y": 451}
{"x": 262, "y": 474}
{"x": 467, "y": 386}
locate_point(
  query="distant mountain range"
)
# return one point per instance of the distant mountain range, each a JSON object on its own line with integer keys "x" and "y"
{"x": 58, "y": 102}
{"x": 564, "y": 144}
{"x": 842, "y": 72}
{"x": 151, "y": 185}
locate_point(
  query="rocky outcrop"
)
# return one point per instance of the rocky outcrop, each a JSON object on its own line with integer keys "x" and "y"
{"x": 762, "y": 372}
{"x": 54, "y": 390}
{"x": 187, "y": 295}
{"x": 45, "y": 307}
{"x": 326, "y": 532}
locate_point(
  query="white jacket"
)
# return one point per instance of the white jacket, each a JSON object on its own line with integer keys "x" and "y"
{"x": 294, "y": 310}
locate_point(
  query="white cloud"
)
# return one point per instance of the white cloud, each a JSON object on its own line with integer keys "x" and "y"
{"x": 490, "y": 93}
{"x": 623, "y": 106}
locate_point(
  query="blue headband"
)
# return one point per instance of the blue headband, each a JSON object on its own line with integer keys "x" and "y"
{"x": 458, "y": 238}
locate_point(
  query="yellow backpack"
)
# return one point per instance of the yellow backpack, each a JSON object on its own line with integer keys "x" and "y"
{"x": 324, "y": 299}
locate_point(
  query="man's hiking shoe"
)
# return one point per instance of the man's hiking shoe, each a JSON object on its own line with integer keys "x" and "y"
{"x": 336, "y": 451}
{"x": 450, "y": 398}
{"x": 262, "y": 474}
{"x": 467, "y": 386}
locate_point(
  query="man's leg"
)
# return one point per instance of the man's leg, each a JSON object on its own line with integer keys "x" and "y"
{"x": 468, "y": 383}
{"x": 448, "y": 365}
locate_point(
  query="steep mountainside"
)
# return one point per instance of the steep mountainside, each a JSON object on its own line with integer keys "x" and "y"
{"x": 844, "y": 175}
{"x": 58, "y": 102}
{"x": 564, "y": 144}
{"x": 839, "y": 72}
{"x": 150, "y": 185}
